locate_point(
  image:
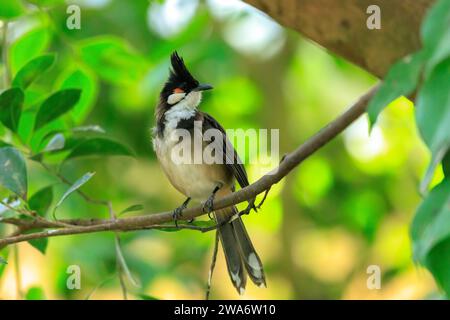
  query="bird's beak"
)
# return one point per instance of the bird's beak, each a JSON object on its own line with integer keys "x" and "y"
{"x": 203, "y": 87}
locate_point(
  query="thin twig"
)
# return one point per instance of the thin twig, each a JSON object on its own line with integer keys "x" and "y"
{"x": 121, "y": 281}
{"x": 147, "y": 221}
{"x": 121, "y": 262}
{"x": 101, "y": 284}
{"x": 213, "y": 264}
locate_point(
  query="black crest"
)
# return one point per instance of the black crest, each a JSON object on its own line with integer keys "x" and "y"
{"x": 180, "y": 77}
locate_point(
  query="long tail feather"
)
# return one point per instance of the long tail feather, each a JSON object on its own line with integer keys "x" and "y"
{"x": 239, "y": 251}
{"x": 232, "y": 254}
{"x": 251, "y": 259}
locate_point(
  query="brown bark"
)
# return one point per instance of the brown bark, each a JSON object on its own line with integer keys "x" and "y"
{"x": 340, "y": 26}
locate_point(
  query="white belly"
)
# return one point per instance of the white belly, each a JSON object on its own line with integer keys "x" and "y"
{"x": 196, "y": 181}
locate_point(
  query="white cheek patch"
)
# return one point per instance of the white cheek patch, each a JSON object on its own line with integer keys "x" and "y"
{"x": 175, "y": 97}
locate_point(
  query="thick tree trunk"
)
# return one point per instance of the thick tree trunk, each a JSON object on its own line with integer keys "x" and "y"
{"x": 340, "y": 26}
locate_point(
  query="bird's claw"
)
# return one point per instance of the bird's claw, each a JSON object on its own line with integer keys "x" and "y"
{"x": 208, "y": 206}
{"x": 177, "y": 214}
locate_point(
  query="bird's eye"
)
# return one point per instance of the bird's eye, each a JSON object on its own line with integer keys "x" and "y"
{"x": 178, "y": 90}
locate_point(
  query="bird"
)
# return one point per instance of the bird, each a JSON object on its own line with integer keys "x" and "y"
{"x": 178, "y": 109}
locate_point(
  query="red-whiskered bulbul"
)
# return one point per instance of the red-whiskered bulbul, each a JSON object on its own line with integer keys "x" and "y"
{"x": 177, "y": 109}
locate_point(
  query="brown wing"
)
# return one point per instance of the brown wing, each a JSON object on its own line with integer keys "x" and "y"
{"x": 230, "y": 157}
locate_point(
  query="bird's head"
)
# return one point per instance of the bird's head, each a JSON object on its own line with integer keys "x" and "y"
{"x": 181, "y": 87}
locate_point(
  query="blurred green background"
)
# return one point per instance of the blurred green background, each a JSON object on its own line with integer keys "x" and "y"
{"x": 345, "y": 208}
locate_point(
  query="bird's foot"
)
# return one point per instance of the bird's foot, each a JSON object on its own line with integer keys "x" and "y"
{"x": 248, "y": 209}
{"x": 178, "y": 212}
{"x": 208, "y": 206}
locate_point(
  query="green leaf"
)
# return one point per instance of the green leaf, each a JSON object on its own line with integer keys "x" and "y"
{"x": 32, "y": 70}
{"x": 44, "y": 3}
{"x": 57, "y": 142}
{"x": 41, "y": 200}
{"x": 29, "y": 46}
{"x": 13, "y": 175}
{"x": 10, "y": 9}
{"x": 401, "y": 80}
{"x": 430, "y": 233}
{"x": 35, "y": 293}
{"x": 146, "y": 297}
{"x": 74, "y": 187}
{"x": 56, "y": 105}
{"x": 11, "y": 102}
{"x": 446, "y": 164}
{"x": 89, "y": 128}
{"x": 436, "y": 34}
{"x": 136, "y": 207}
{"x": 204, "y": 224}
{"x": 40, "y": 244}
{"x": 433, "y": 114}
{"x": 99, "y": 147}
{"x": 4, "y": 144}
{"x": 436, "y": 24}
{"x": 113, "y": 60}
{"x": 87, "y": 83}
{"x": 3, "y": 259}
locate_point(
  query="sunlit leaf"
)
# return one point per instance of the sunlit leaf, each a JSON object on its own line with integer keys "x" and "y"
{"x": 29, "y": 46}
{"x": 87, "y": 83}
{"x": 203, "y": 223}
{"x": 136, "y": 207}
{"x": 78, "y": 184}
{"x": 99, "y": 147}
{"x": 113, "y": 59}
{"x": 57, "y": 142}
{"x": 430, "y": 232}
{"x": 32, "y": 70}
{"x": 401, "y": 80}
{"x": 56, "y": 105}
{"x": 89, "y": 128}
{"x": 10, "y": 9}
{"x": 13, "y": 175}
{"x": 35, "y": 293}
{"x": 41, "y": 200}
{"x": 11, "y": 102}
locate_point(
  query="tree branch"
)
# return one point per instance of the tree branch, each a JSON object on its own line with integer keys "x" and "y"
{"x": 340, "y": 26}
{"x": 157, "y": 220}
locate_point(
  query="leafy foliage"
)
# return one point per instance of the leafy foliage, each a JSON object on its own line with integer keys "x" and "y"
{"x": 431, "y": 227}
{"x": 40, "y": 201}
{"x": 56, "y": 105}
{"x": 14, "y": 171}
{"x": 99, "y": 146}
{"x": 11, "y": 101}
{"x": 35, "y": 293}
{"x": 74, "y": 187}
{"x": 32, "y": 70}
{"x": 118, "y": 69}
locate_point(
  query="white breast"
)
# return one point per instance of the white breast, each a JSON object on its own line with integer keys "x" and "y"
{"x": 193, "y": 180}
